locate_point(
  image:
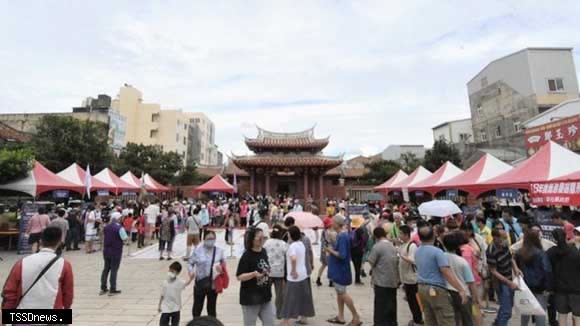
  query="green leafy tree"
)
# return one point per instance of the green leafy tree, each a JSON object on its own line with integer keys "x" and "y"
{"x": 441, "y": 153}
{"x": 60, "y": 141}
{"x": 409, "y": 162}
{"x": 15, "y": 163}
{"x": 379, "y": 171}
{"x": 138, "y": 158}
{"x": 189, "y": 176}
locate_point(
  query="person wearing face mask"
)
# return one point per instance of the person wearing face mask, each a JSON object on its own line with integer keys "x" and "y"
{"x": 170, "y": 300}
{"x": 205, "y": 264}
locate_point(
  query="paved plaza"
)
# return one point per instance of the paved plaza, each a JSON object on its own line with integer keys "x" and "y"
{"x": 140, "y": 278}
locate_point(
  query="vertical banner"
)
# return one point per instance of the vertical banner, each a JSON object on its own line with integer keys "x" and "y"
{"x": 406, "y": 195}
{"x": 27, "y": 211}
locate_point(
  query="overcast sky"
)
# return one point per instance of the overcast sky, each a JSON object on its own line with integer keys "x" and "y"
{"x": 367, "y": 73}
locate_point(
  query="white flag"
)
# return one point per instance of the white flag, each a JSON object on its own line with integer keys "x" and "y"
{"x": 88, "y": 181}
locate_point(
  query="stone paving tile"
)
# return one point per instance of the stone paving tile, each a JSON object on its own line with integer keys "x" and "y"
{"x": 140, "y": 280}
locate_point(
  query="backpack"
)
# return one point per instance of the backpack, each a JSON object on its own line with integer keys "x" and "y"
{"x": 358, "y": 239}
{"x": 536, "y": 273}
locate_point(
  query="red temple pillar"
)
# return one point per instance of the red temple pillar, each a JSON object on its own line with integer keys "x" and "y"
{"x": 320, "y": 192}
{"x": 252, "y": 182}
{"x": 305, "y": 184}
{"x": 267, "y": 192}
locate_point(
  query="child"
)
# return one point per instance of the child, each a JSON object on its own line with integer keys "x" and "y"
{"x": 170, "y": 300}
{"x": 141, "y": 231}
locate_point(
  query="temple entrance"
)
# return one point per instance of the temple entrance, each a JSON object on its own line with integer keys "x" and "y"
{"x": 286, "y": 188}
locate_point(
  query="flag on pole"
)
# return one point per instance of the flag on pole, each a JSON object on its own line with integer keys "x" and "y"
{"x": 235, "y": 183}
{"x": 88, "y": 181}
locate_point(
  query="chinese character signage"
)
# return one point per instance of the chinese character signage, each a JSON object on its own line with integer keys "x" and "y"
{"x": 60, "y": 194}
{"x": 512, "y": 194}
{"x": 564, "y": 132}
{"x": 117, "y": 124}
{"x": 565, "y": 193}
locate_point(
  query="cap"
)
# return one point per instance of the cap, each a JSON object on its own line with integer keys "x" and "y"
{"x": 115, "y": 216}
{"x": 339, "y": 219}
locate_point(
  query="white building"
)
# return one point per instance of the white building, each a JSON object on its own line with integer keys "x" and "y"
{"x": 206, "y": 130}
{"x": 454, "y": 132}
{"x": 515, "y": 88}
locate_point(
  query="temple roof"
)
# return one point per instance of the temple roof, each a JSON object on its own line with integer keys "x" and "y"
{"x": 267, "y": 140}
{"x": 284, "y": 160}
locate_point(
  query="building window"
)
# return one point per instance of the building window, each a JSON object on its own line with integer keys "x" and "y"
{"x": 498, "y": 131}
{"x": 556, "y": 85}
{"x": 479, "y": 110}
{"x": 483, "y": 135}
{"x": 177, "y": 138}
{"x": 517, "y": 126}
{"x": 484, "y": 82}
{"x": 184, "y": 141}
{"x": 155, "y": 117}
{"x": 153, "y": 133}
{"x": 464, "y": 137}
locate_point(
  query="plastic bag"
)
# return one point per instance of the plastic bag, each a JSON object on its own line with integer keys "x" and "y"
{"x": 525, "y": 301}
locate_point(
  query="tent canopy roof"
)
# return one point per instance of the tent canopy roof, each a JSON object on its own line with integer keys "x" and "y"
{"x": 445, "y": 172}
{"x": 398, "y": 177}
{"x": 41, "y": 180}
{"x": 417, "y": 176}
{"x": 217, "y": 183}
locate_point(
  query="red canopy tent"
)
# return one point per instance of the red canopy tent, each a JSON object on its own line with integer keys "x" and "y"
{"x": 41, "y": 180}
{"x": 417, "y": 176}
{"x": 398, "y": 177}
{"x": 551, "y": 161}
{"x": 217, "y": 183}
{"x": 131, "y": 179}
{"x": 154, "y": 185}
{"x": 76, "y": 174}
{"x": 112, "y": 180}
{"x": 446, "y": 172}
{"x": 487, "y": 167}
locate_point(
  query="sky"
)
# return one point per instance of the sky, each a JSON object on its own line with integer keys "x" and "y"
{"x": 366, "y": 73}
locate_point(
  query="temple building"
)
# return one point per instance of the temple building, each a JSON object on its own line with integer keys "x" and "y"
{"x": 288, "y": 164}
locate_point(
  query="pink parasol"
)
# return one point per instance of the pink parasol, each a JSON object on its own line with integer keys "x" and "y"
{"x": 305, "y": 220}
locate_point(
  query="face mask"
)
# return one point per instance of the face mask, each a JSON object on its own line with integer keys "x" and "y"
{"x": 171, "y": 275}
{"x": 209, "y": 243}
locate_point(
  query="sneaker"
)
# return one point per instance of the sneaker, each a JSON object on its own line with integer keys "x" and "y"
{"x": 363, "y": 273}
{"x": 103, "y": 291}
{"x": 114, "y": 292}
{"x": 330, "y": 284}
{"x": 318, "y": 283}
{"x": 161, "y": 258}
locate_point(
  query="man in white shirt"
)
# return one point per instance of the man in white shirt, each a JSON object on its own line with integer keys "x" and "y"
{"x": 408, "y": 272}
{"x": 151, "y": 213}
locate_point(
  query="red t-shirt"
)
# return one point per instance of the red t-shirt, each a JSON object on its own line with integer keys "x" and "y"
{"x": 569, "y": 229}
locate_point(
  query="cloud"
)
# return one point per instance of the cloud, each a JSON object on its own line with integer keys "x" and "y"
{"x": 367, "y": 73}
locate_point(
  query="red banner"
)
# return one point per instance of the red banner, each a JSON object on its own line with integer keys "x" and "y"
{"x": 565, "y": 132}
{"x": 565, "y": 193}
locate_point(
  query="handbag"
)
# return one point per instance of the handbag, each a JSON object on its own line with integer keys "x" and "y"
{"x": 525, "y": 301}
{"x": 206, "y": 284}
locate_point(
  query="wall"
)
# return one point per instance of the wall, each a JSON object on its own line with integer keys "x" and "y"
{"x": 512, "y": 69}
{"x": 551, "y": 64}
{"x": 451, "y": 132}
{"x": 26, "y": 122}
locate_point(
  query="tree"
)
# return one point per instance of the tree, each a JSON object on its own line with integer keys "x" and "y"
{"x": 15, "y": 163}
{"x": 138, "y": 158}
{"x": 189, "y": 176}
{"x": 409, "y": 162}
{"x": 60, "y": 141}
{"x": 439, "y": 154}
{"x": 379, "y": 171}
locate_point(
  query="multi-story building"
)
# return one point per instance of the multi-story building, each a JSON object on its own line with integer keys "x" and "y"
{"x": 454, "y": 132}
{"x": 205, "y": 129}
{"x": 192, "y": 135}
{"x": 91, "y": 109}
{"x": 515, "y": 88}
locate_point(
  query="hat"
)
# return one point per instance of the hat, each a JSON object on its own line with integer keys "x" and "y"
{"x": 339, "y": 219}
{"x": 357, "y": 221}
{"x": 115, "y": 216}
{"x": 327, "y": 222}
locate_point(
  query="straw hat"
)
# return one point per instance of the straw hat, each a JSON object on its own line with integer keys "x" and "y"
{"x": 357, "y": 221}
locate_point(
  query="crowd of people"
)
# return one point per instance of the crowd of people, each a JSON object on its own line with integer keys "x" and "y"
{"x": 449, "y": 268}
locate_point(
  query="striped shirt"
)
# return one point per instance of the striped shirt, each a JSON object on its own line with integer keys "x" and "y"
{"x": 500, "y": 258}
